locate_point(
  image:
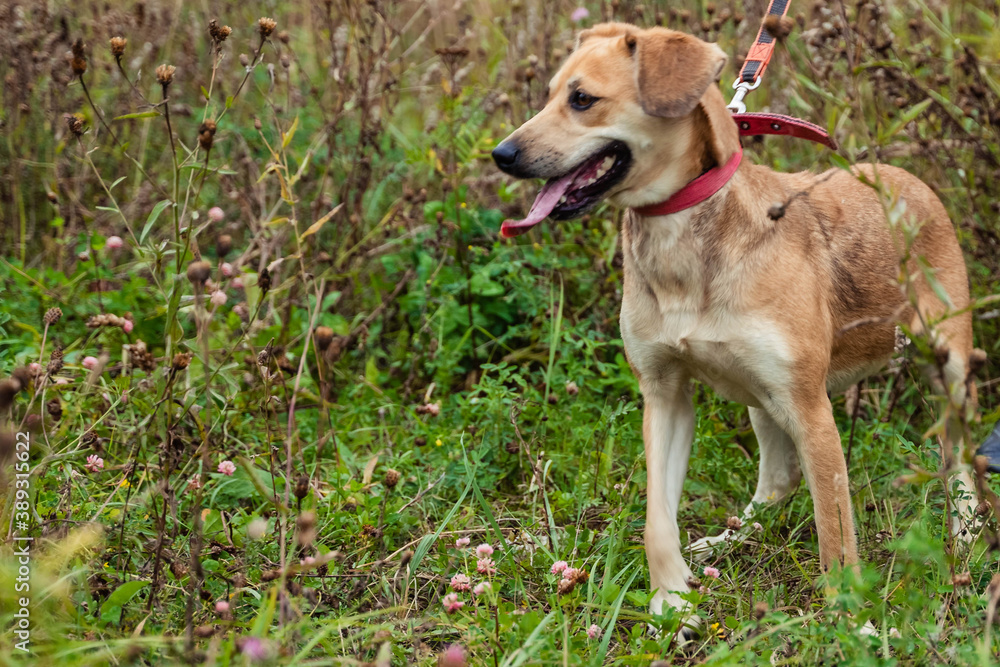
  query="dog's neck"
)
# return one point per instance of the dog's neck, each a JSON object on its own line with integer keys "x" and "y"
{"x": 705, "y": 140}
{"x": 671, "y": 252}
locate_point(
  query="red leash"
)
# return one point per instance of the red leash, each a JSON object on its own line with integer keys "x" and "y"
{"x": 752, "y": 124}
{"x": 757, "y": 58}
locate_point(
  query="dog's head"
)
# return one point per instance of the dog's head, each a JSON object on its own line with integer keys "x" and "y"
{"x": 631, "y": 114}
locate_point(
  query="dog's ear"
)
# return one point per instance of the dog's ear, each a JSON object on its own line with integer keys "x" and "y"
{"x": 673, "y": 70}
{"x": 604, "y": 30}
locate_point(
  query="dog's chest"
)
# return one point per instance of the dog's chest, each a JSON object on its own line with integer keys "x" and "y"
{"x": 675, "y": 314}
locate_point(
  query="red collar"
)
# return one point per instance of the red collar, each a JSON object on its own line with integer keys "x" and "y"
{"x": 697, "y": 190}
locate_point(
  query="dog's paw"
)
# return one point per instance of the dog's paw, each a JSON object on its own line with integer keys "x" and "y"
{"x": 962, "y": 530}
{"x": 690, "y": 627}
{"x": 702, "y": 549}
{"x": 869, "y": 630}
{"x": 689, "y": 630}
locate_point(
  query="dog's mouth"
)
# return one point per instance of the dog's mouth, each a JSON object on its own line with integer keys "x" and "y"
{"x": 570, "y": 195}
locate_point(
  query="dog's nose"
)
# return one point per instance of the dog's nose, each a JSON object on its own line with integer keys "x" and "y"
{"x": 505, "y": 155}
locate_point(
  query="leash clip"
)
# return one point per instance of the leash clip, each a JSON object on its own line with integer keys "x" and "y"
{"x": 742, "y": 88}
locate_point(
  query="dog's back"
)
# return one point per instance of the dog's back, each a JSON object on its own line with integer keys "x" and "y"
{"x": 870, "y": 293}
{"x": 838, "y": 230}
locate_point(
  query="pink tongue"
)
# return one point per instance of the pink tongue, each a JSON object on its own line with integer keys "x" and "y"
{"x": 545, "y": 202}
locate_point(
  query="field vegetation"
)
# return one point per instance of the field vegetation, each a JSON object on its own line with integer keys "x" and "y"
{"x": 292, "y": 401}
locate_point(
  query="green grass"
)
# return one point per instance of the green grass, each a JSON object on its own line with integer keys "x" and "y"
{"x": 401, "y": 378}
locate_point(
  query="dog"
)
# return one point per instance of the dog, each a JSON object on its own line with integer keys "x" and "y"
{"x": 773, "y": 311}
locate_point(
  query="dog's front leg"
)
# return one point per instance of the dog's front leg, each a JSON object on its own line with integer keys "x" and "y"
{"x": 667, "y": 429}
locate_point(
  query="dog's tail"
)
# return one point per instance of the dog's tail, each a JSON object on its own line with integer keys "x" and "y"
{"x": 991, "y": 450}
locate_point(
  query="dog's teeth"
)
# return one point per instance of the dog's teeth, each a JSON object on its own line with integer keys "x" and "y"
{"x": 562, "y": 200}
{"x": 608, "y": 162}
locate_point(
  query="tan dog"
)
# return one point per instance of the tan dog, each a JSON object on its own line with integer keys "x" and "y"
{"x": 771, "y": 313}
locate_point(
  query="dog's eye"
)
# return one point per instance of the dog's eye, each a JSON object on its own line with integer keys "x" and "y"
{"x": 581, "y": 101}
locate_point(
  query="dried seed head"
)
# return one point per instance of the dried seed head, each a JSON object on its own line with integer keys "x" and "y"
{"x": 109, "y": 320}
{"x": 572, "y": 577}
{"x": 178, "y": 569}
{"x": 270, "y": 575}
{"x": 284, "y": 37}
{"x": 244, "y": 60}
{"x": 264, "y": 281}
{"x": 54, "y": 408}
{"x": 181, "y": 361}
{"x": 266, "y": 26}
{"x": 23, "y": 376}
{"x": 323, "y": 337}
{"x": 206, "y": 134}
{"x": 55, "y": 362}
{"x": 199, "y": 272}
{"x": 218, "y": 32}
{"x": 8, "y": 390}
{"x": 78, "y": 62}
{"x": 74, "y": 122}
{"x": 962, "y": 579}
{"x": 52, "y": 316}
{"x": 257, "y": 125}
{"x": 118, "y": 45}
{"x": 203, "y": 631}
{"x": 7, "y": 445}
{"x": 779, "y": 26}
{"x": 391, "y": 478}
{"x": 165, "y": 74}
{"x": 302, "y": 487}
{"x": 734, "y": 523}
{"x": 759, "y": 610}
{"x": 286, "y": 62}
{"x": 140, "y": 357}
{"x": 90, "y": 439}
{"x": 983, "y": 508}
{"x": 223, "y": 245}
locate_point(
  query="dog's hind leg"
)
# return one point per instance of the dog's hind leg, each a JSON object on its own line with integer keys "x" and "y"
{"x": 822, "y": 457}
{"x": 954, "y": 385}
{"x": 949, "y": 377}
{"x": 950, "y": 324}
{"x": 779, "y": 475}
{"x": 964, "y": 488}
